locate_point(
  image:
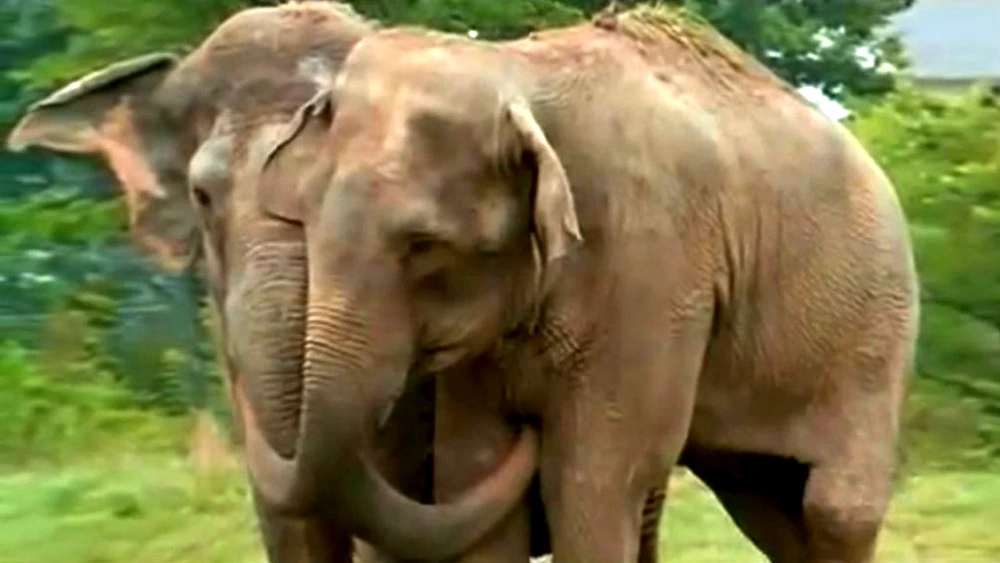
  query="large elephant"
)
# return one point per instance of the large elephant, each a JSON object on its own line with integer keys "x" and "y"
{"x": 159, "y": 121}
{"x": 671, "y": 257}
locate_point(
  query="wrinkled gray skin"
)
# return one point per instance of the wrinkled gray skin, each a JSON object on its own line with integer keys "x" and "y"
{"x": 159, "y": 123}
{"x": 670, "y": 256}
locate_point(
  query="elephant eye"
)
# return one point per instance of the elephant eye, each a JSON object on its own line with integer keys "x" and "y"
{"x": 201, "y": 196}
{"x": 421, "y": 245}
{"x": 426, "y": 255}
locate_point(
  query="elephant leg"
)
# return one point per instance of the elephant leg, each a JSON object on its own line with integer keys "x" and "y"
{"x": 762, "y": 494}
{"x": 849, "y": 486}
{"x": 471, "y": 438}
{"x": 843, "y": 508}
{"x": 593, "y": 518}
{"x": 793, "y": 513}
{"x": 300, "y": 540}
{"x": 592, "y": 489}
{"x": 652, "y": 514}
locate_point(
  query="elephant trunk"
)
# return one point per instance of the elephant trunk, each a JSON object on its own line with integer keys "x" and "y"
{"x": 267, "y": 323}
{"x": 349, "y": 379}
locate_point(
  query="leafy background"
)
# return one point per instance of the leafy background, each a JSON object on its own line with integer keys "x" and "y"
{"x": 113, "y": 434}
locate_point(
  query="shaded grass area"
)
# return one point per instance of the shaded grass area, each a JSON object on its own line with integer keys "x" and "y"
{"x": 160, "y": 508}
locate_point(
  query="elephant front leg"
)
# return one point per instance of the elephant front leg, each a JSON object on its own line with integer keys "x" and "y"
{"x": 301, "y": 540}
{"x": 605, "y": 460}
{"x": 470, "y": 439}
{"x": 594, "y": 515}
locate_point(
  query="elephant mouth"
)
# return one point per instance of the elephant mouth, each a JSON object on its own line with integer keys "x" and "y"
{"x": 438, "y": 358}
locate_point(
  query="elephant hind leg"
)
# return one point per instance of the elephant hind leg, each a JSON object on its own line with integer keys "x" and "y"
{"x": 793, "y": 512}
{"x": 843, "y": 510}
{"x": 762, "y": 494}
{"x": 850, "y": 482}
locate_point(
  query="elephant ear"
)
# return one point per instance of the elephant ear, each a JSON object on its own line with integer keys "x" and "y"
{"x": 294, "y": 148}
{"x": 71, "y": 119}
{"x": 111, "y": 114}
{"x": 554, "y": 221}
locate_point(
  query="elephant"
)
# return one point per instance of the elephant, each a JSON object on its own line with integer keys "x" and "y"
{"x": 670, "y": 257}
{"x": 157, "y": 118}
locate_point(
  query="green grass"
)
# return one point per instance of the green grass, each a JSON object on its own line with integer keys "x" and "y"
{"x": 938, "y": 517}
{"x": 151, "y": 509}
{"x": 158, "y": 509}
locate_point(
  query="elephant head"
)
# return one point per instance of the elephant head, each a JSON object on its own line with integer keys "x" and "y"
{"x": 145, "y": 116}
{"x": 435, "y": 213}
{"x": 179, "y": 133}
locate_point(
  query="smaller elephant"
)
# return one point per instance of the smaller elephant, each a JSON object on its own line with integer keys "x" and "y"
{"x": 671, "y": 256}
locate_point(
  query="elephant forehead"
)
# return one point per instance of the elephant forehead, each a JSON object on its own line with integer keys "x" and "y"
{"x": 413, "y": 126}
{"x": 421, "y": 72}
{"x": 412, "y": 135}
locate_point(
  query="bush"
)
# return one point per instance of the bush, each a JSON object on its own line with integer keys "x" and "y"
{"x": 943, "y": 155}
{"x": 100, "y": 351}
{"x": 48, "y": 416}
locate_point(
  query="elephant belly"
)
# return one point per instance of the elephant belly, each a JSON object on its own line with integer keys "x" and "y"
{"x": 752, "y": 419}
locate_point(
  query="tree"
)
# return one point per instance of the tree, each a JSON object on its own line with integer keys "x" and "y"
{"x": 806, "y": 42}
{"x": 944, "y": 157}
{"x": 489, "y": 18}
{"x": 101, "y": 32}
{"x": 813, "y": 42}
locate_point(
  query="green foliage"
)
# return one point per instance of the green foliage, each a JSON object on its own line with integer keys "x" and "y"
{"x": 489, "y": 18}
{"x": 48, "y": 236}
{"x": 812, "y": 42}
{"x": 68, "y": 292}
{"x": 26, "y": 32}
{"x": 943, "y": 156}
{"x": 102, "y": 32}
{"x": 55, "y": 416}
{"x": 59, "y": 216}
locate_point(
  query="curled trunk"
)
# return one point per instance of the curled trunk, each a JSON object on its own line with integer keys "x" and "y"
{"x": 347, "y": 380}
